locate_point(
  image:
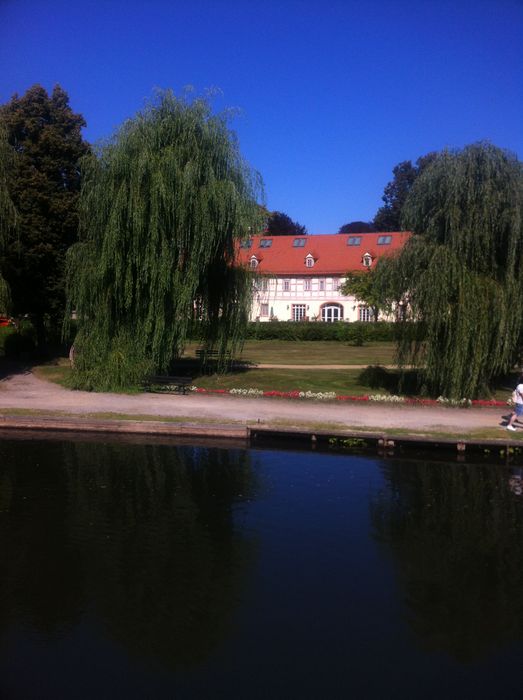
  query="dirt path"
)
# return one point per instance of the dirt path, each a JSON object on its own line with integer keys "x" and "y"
{"x": 25, "y": 391}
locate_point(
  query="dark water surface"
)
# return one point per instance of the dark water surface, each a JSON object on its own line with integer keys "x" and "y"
{"x": 134, "y": 570}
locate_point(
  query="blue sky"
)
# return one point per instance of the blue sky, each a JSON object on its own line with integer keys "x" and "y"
{"x": 332, "y": 94}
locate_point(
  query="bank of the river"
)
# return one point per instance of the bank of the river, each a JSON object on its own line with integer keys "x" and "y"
{"x": 30, "y": 403}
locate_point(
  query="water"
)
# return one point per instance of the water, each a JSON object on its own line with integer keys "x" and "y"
{"x": 134, "y": 570}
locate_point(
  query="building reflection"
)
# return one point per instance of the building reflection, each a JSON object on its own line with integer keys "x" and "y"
{"x": 456, "y": 533}
{"x": 137, "y": 539}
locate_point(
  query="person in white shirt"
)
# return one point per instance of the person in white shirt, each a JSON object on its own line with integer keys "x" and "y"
{"x": 517, "y": 413}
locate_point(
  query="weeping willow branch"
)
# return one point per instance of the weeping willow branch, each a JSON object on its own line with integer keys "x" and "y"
{"x": 162, "y": 205}
{"x": 461, "y": 272}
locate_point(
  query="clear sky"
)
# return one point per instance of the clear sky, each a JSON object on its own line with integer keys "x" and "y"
{"x": 332, "y": 94}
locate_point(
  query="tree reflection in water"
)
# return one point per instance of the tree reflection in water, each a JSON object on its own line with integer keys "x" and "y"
{"x": 137, "y": 538}
{"x": 456, "y": 533}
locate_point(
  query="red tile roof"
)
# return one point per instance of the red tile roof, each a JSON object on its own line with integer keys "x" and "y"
{"x": 332, "y": 255}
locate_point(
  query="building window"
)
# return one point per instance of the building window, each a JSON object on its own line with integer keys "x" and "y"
{"x": 253, "y": 263}
{"x": 298, "y": 312}
{"x": 299, "y": 242}
{"x": 265, "y": 242}
{"x": 309, "y": 261}
{"x": 366, "y": 260}
{"x": 322, "y": 285}
{"x": 247, "y": 243}
{"x": 286, "y": 285}
{"x": 331, "y": 313}
{"x": 365, "y": 314}
{"x": 264, "y": 284}
{"x": 307, "y": 285}
{"x": 264, "y": 309}
{"x": 354, "y": 240}
{"x": 384, "y": 240}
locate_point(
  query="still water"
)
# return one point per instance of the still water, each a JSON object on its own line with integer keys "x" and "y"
{"x": 135, "y": 570}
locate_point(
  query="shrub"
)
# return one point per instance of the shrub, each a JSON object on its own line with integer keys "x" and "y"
{"x": 356, "y": 333}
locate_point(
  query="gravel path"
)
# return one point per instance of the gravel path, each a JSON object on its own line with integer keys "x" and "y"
{"x": 25, "y": 391}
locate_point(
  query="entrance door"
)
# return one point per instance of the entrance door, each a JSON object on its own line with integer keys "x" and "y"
{"x": 331, "y": 313}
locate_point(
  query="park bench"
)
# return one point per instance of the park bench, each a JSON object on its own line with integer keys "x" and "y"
{"x": 205, "y": 355}
{"x": 165, "y": 384}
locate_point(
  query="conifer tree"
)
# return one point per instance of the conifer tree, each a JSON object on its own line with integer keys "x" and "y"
{"x": 461, "y": 273}
{"x": 163, "y": 205}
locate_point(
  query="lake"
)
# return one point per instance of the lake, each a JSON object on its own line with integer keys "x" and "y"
{"x": 141, "y": 569}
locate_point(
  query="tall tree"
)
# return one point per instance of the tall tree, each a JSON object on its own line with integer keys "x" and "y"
{"x": 7, "y": 214}
{"x": 365, "y": 286}
{"x": 279, "y": 224}
{"x": 389, "y": 216}
{"x": 357, "y": 227}
{"x": 462, "y": 271}
{"x": 163, "y": 204}
{"x": 43, "y": 183}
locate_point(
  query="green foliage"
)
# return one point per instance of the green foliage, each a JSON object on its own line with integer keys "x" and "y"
{"x": 355, "y": 333}
{"x": 389, "y": 216}
{"x": 279, "y": 224}
{"x": 357, "y": 227}
{"x": 43, "y": 183}
{"x": 460, "y": 275}
{"x": 365, "y": 286}
{"x": 18, "y": 343}
{"x": 162, "y": 206}
{"x": 7, "y": 213}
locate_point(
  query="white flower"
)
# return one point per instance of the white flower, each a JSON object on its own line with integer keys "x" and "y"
{"x": 387, "y": 398}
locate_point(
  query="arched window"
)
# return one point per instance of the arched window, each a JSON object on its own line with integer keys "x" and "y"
{"x": 367, "y": 260}
{"x": 253, "y": 263}
{"x": 331, "y": 313}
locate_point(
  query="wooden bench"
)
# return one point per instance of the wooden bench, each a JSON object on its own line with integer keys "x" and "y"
{"x": 205, "y": 355}
{"x": 164, "y": 384}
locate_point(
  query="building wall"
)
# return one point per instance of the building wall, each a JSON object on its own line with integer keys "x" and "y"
{"x": 302, "y": 298}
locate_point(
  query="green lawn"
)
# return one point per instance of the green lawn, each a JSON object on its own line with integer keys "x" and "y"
{"x": 340, "y": 381}
{"x": 312, "y": 352}
{"x": 372, "y": 380}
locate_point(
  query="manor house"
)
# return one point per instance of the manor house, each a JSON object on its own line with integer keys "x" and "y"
{"x": 298, "y": 278}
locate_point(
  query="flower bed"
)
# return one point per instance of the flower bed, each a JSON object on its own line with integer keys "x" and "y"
{"x": 332, "y": 396}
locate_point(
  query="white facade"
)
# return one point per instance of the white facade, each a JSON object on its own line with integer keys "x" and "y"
{"x": 298, "y": 278}
{"x": 305, "y": 299}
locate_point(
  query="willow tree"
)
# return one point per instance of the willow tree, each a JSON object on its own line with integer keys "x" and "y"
{"x": 162, "y": 206}
{"x": 461, "y": 273}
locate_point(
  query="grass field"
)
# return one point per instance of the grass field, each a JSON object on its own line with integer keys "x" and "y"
{"x": 373, "y": 379}
{"x": 311, "y": 352}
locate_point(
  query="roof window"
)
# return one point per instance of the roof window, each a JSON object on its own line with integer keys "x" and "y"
{"x": 265, "y": 242}
{"x": 384, "y": 240}
{"x": 354, "y": 240}
{"x": 299, "y": 242}
{"x": 247, "y": 243}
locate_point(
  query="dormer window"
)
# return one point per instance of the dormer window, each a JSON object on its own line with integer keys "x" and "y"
{"x": 299, "y": 242}
{"x": 367, "y": 260}
{"x": 253, "y": 262}
{"x": 309, "y": 261}
{"x": 265, "y": 242}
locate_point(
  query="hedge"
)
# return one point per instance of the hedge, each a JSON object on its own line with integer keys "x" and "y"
{"x": 356, "y": 333}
